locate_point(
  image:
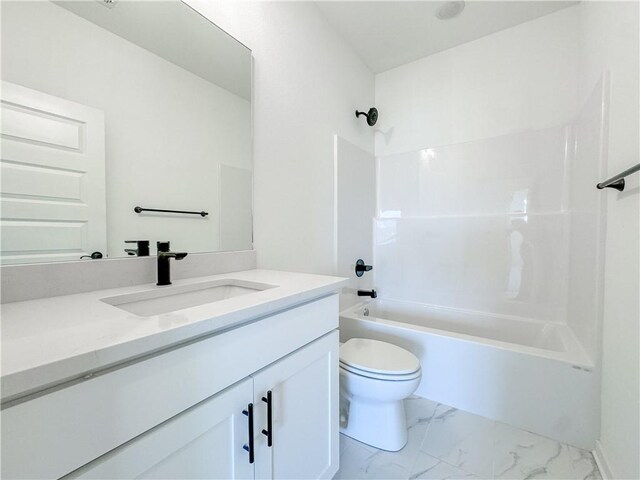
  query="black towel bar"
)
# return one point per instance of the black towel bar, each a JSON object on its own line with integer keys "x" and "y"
{"x": 140, "y": 209}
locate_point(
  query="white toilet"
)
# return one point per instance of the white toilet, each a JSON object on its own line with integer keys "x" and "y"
{"x": 375, "y": 377}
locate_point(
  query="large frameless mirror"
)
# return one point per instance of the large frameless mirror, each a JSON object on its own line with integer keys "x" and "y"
{"x": 122, "y": 121}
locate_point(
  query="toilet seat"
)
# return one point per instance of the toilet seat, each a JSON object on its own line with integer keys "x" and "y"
{"x": 381, "y": 376}
{"x": 380, "y": 360}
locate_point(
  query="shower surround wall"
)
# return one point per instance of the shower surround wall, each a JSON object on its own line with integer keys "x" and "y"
{"x": 480, "y": 225}
{"x": 480, "y": 181}
{"x": 355, "y": 203}
{"x": 487, "y": 160}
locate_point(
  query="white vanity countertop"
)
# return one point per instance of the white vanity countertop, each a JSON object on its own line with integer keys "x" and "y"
{"x": 52, "y": 340}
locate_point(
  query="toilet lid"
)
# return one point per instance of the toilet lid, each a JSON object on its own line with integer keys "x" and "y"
{"x": 378, "y": 357}
{"x": 381, "y": 376}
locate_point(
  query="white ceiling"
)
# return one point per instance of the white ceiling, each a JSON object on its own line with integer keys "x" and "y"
{"x": 389, "y": 34}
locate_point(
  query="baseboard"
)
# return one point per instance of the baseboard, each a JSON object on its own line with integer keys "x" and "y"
{"x": 602, "y": 462}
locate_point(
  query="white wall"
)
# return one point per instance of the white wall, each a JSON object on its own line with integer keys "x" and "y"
{"x": 307, "y": 84}
{"x": 520, "y": 78}
{"x": 609, "y": 38}
{"x": 162, "y": 122}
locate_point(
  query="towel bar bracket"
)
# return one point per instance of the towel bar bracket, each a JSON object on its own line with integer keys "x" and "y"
{"x": 617, "y": 181}
{"x": 618, "y": 185}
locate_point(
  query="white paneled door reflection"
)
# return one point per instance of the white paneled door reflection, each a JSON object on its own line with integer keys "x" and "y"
{"x": 52, "y": 192}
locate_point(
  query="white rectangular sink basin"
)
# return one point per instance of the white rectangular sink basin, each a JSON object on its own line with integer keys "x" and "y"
{"x": 172, "y": 298}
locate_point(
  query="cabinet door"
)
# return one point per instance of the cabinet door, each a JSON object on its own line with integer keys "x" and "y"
{"x": 304, "y": 394}
{"x": 205, "y": 441}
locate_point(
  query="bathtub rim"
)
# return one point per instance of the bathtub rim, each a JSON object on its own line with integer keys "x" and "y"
{"x": 574, "y": 353}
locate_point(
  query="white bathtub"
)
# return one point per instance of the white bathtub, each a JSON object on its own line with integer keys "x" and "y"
{"x": 528, "y": 373}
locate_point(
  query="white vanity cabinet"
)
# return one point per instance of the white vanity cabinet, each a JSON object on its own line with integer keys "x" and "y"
{"x": 211, "y": 440}
{"x": 304, "y": 424}
{"x": 179, "y": 413}
{"x": 203, "y": 442}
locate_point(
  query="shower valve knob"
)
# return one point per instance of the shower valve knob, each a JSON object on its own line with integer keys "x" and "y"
{"x": 361, "y": 267}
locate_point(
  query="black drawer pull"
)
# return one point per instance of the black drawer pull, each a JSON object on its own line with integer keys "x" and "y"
{"x": 269, "y": 431}
{"x": 249, "y": 448}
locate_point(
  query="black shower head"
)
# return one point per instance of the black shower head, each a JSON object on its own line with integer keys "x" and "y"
{"x": 372, "y": 116}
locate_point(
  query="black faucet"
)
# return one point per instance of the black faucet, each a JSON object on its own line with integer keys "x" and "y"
{"x": 141, "y": 251}
{"x": 368, "y": 293}
{"x": 164, "y": 255}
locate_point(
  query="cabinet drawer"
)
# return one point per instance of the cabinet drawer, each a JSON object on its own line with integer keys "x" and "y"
{"x": 52, "y": 435}
{"x": 203, "y": 442}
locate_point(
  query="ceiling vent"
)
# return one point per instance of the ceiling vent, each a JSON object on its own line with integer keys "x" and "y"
{"x": 108, "y": 3}
{"x": 450, "y": 10}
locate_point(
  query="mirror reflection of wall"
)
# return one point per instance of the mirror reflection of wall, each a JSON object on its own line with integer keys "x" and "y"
{"x": 104, "y": 109}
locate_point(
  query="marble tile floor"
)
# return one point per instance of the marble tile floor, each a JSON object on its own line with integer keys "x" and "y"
{"x": 446, "y": 443}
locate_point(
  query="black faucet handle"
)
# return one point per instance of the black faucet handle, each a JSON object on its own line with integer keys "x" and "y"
{"x": 141, "y": 251}
{"x": 165, "y": 250}
{"x": 361, "y": 267}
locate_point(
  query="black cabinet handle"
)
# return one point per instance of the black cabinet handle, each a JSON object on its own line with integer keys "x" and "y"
{"x": 269, "y": 431}
{"x": 249, "y": 448}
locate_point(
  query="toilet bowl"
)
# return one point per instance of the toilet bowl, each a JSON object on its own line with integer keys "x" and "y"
{"x": 375, "y": 378}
